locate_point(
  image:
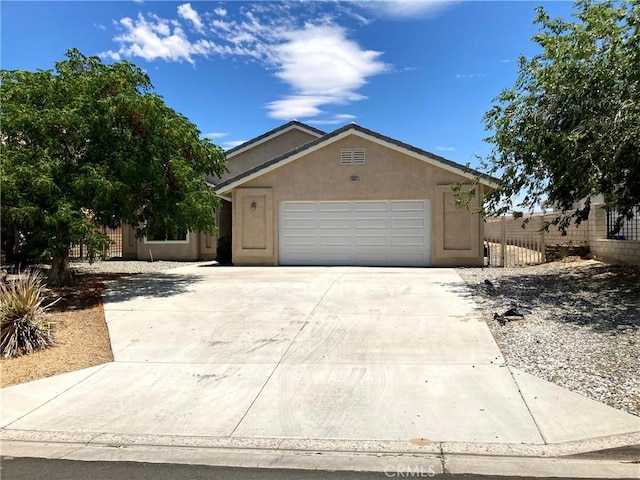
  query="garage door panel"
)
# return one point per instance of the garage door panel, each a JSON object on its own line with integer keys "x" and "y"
{"x": 326, "y": 240}
{"x": 302, "y": 259}
{"x": 408, "y": 223}
{"x": 369, "y": 258}
{"x": 355, "y": 233}
{"x": 376, "y": 223}
{"x": 337, "y": 223}
{"x": 300, "y": 240}
{"x": 360, "y": 240}
{"x": 300, "y": 223}
{"x": 408, "y": 259}
{"x": 407, "y": 240}
{"x": 334, "y": 207}
{"x": 410, "y": 206}
{"x": 334, "y": 258}
{"x": 370, "y": 206}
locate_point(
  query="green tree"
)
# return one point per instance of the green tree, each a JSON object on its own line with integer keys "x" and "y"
{"x": 570, "y": 127}
{"x": 90, "y": 145}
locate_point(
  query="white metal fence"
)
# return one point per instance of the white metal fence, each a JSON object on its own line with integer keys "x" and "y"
{"x": 503, "y": 248}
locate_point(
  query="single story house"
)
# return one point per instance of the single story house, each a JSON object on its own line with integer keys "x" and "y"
{"x": 299, "y": 196}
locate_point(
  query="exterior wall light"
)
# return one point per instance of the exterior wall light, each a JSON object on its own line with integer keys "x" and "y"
{"x": 253, "y": 206}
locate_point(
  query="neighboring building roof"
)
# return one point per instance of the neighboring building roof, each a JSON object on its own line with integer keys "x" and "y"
{"x": 349, "y": 129}
{"x": 294, "y": 124}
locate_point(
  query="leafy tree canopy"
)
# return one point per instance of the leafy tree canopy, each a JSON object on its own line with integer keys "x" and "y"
{"x": 90, "y": 145}
{"x": 570, "y": 127}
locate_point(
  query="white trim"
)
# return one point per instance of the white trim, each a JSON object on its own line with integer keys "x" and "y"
{"x": 364, "y": 135}
{"x": 272, "y": 136}
{"x": 168, "y": 242}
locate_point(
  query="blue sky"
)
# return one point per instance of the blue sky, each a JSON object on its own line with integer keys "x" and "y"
{"x": 423, "y": 72}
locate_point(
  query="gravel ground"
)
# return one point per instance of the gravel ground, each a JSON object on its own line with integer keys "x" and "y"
{"x": 583, "y": 328}
{"x": 128, "y": 266}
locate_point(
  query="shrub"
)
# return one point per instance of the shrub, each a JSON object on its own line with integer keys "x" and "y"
{"x": 223, "y": 254}
{"x": 23, "y": 328}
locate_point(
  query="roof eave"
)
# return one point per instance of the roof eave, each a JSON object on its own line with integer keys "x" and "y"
{"x": 292, "y": 125}
{"x": 336, "y": 135}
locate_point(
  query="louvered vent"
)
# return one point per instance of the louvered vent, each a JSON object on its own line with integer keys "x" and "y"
{"x": 346, "y": 156}
{"x": 352, "y": 155}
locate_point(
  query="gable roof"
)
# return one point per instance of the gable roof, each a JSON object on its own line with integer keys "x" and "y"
{"x": 343, "y": 132}
{"x": 294, "y": 124}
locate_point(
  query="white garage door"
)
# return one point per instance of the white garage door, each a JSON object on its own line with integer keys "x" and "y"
{"x": 394, "y": 233}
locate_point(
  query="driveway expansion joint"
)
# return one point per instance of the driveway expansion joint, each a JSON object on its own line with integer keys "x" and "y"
{"x": 284, "y": 354}
{"x": 533, "y": 418}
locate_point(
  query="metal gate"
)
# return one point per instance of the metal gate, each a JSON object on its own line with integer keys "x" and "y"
{"x": 503, "y": 250}
{"x": 79, "y": 251}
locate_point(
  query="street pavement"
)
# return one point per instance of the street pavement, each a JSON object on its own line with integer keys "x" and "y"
{"x": 53, "y": 469}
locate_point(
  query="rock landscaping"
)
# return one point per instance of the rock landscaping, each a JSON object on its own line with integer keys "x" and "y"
{"x": 580, "y": 324}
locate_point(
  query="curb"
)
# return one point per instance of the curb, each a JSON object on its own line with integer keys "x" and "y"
{"x": 566, "y": 460}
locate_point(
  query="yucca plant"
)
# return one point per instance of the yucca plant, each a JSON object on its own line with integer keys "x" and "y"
{"x": 23, "y": 325}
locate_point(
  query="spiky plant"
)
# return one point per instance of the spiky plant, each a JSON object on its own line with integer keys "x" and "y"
{"x": 23, "y": 327}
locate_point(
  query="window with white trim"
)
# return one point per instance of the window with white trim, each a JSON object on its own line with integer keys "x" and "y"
{"x": 349, "y": 156}
{"x": 180, "y": 237}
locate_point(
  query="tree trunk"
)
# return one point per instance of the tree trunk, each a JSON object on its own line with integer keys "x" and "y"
{"x": 60, "y": 274}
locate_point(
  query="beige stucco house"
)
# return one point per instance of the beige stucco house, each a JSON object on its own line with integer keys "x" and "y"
{"x": 300, "y": 196}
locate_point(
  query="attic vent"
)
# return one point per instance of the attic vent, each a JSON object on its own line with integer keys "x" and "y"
{"x": 358, "y": 155}
{"x": 352, "y": 155}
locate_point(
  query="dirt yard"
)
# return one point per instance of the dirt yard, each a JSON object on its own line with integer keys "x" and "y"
{"x": 81, "y": 335}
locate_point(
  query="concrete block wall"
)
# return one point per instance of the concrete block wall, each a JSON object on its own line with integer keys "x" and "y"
{"x": 616, "y": 251}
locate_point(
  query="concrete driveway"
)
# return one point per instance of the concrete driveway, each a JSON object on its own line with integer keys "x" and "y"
{"x": 337, "y": 354}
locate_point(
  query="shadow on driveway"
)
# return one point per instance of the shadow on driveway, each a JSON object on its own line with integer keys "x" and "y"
{"x": 154, "y": 285}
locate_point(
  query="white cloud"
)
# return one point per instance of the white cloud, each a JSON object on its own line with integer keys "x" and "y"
{"x": 471, "y": 75}
{"x": 320, "y": 60}
{"x": 215, "y": 135}
{"x": 156, "y": 38}
{"x": 297, "y": 106}
{"x": 406, "y": 9}
{"x": 308, "y": 51}
{"x": 323, "y": 67}
{"x": 188, "y": 13}
{"x": 220, "y": 12}
{"x": 446, "y": 149}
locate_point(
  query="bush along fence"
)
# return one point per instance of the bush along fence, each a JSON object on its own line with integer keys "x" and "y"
{"x": 521, "y": 240}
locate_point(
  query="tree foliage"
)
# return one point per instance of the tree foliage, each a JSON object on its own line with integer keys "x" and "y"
{"x": 569, "y": 129}
{"x": 89, "y": 145}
